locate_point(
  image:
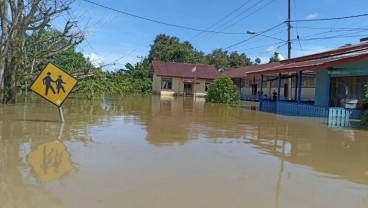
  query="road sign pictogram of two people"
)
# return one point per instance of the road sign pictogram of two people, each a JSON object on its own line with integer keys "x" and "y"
{"x": 59, "y": 83}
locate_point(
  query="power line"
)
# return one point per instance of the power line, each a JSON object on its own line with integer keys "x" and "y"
{"x": 333, "y": 18}
{"x": 157, "y": 21}
{"x": 89, "y": 44}
{"x": 258, "y": 34}
{"x": 251, "y": 7}
{"x": 335, "y": 29}
{"x": 269, "y": 51}
{"x": 297, "y": 32}
{"x": 261, "y": 39}
{"x": 249, "y": 14}
{"x": 228, "y": 15}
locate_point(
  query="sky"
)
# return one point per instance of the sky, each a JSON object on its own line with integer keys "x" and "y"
{"x": 121, "y": 31}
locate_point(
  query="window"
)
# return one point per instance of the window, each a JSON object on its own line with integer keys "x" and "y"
{"x": 344, "y": 89}
{"x": 166, "y": 83}
{"x": 207, "y": 86}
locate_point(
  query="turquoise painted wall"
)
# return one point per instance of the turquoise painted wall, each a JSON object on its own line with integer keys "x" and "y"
{"x": 321, "y": 87}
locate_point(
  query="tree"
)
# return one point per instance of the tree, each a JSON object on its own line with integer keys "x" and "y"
{"x": 239, "y": 60}
{"x": 346, "y": 45}
{"x": 140, "y": 77}
{"x": 223, "y": 90}
{"x": 20, "y": 19}
{"x": 257, "y": 61}
{"x": 274, "y": 58}
{"x": 166, "y": 48}
{"x": 219, "y": 58}
{"x": 68, "y": 59}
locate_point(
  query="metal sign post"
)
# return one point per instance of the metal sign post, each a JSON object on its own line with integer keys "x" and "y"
{"x": 61, "y": 114}
{"x": 54, "y": 85}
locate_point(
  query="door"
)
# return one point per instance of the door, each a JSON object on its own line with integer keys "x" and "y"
{"x": 188, "y": 89}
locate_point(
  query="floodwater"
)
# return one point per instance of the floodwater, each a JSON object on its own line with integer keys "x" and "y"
{"x": 152, "y": 152}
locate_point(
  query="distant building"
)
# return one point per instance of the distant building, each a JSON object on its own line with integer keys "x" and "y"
{"x": 182, "y": 79}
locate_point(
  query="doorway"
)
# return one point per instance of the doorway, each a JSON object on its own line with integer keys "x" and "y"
{"x": 188, "y": 89}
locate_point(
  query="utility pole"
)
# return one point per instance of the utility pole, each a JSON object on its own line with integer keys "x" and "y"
{"x": 289, "y": 48}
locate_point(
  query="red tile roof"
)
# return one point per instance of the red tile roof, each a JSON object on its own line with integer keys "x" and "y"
{"x": 242, "y": 72}
{"x": 184, "y": 70}
{"x": 318, "y": 61}
{"x": 315, "y": 64}
{"x": 339, "y": 51}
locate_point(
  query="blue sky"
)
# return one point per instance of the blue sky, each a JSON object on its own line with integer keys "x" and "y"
{"x": 114, "y": 37}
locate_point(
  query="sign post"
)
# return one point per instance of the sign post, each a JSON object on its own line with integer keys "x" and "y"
{"x": 54, "y": 85}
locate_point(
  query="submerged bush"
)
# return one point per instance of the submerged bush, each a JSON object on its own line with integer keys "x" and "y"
{"x": 223, "y": 90}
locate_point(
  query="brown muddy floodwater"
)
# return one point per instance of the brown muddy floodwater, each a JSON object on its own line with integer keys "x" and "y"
{"x": 152, "y": 152}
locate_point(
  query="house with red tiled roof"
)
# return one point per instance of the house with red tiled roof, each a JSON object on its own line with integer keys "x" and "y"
{"x": 171, "y": 78}
{"x": 339, "y": 75}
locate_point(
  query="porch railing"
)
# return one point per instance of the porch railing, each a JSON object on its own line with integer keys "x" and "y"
{"x": 294, "y": 109}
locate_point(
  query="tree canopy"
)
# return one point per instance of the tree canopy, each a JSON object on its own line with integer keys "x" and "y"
{"x": 170, "y": 49}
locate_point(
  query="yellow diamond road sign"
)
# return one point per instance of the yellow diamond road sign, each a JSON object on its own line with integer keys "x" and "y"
{"x": 54, "y": 84}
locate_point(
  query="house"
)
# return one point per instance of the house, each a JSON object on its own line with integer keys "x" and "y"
{"x": 249, "y": 86}
{"x": 185, "y": 79}
{"x": 340, "y": 79}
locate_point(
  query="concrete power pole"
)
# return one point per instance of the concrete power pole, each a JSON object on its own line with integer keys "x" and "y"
{"x": 289, "y": 48}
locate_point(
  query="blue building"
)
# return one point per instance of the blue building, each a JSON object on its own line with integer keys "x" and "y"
{"x": 339, "y": 79}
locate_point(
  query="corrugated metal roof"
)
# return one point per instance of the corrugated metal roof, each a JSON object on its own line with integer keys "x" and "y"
{"x": 317, "y": 62}
{"x": 184, "y": 70}
{"x": 242, "y": 72}
{"x": 335, "y": 52}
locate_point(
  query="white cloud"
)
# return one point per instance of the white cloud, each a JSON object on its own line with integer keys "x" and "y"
{"x": 309, "y": 49}
{"x": 312, "y": 16}
{"x": 281, "y": 57}
{"x": 95, "y": 60}
{"x": 271, "y": 49}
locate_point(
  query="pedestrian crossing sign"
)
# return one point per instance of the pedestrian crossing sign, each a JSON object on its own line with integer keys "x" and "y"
{"x": 54, "y": 84}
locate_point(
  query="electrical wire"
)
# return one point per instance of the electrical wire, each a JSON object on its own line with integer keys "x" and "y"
{"x": 249, "y": 15}
{"x": 228, "y": 15}
{"x": 256, "y": 35}
{"x": 157, "y": 21}
{"x": 297, "y": 33}
{"x": 329, "y": 19}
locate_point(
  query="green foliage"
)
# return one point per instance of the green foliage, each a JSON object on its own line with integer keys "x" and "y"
{"x": 223, "y": 90}
{"x": 238, "y": 60}
{"x": 70, "y": 60}
{"x": 274, "y": 58}
{"x": 140, "y": 77}
{"x": 170, "y": 49}
{"x": 346, "y": 45}
{"x": 219, "y": 58}
{"x": 257, "y": 61}
{"x": 136, "y": 79}
{"x": 92, "y": 86}
{"x": 166, "y": 48}
{"x": 223, "y": 61}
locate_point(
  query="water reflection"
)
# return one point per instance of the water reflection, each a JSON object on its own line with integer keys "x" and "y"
{"x": 50, "y": 161}
{"x": 343, "y": 153}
